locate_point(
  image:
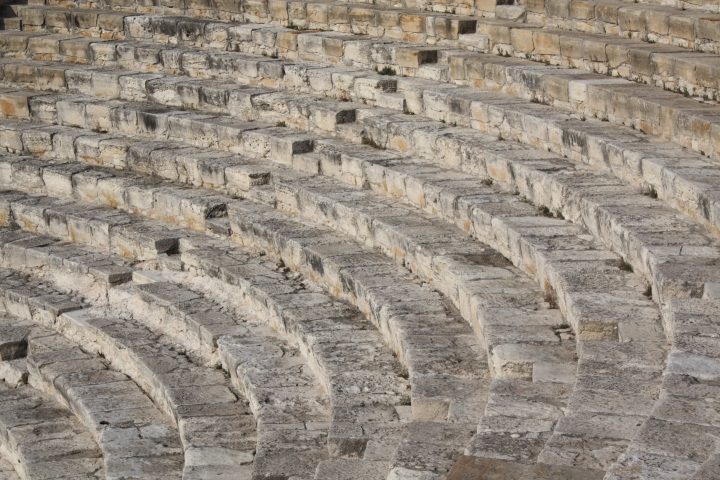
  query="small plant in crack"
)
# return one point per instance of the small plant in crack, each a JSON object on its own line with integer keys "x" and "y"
{"x": 551, "y": 298}
{"x": 563, "y": 331}
{"x": 386, "y": 71}
{"x": 545, "y": 212}
{"x": 370, "y": 142}
{"x": 281, "y": 124}
{"x": 625, "y": 266}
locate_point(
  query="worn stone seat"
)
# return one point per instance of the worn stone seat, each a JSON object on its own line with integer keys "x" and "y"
{"x": 407, "y": 240}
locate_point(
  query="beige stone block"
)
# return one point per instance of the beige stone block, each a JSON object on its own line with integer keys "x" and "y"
{"x": 297, "y": 13}
{"x": 522, "y": 40}
{"x": 607, "y": 12}
{"x": 287, "y": 41}
{"x": 582, "y": 9}
{"x": 15, "y": 105}
{"x": 362, "y": 16}
{"x": 413, "y": 57}
{"x": 657, "y": 22}
{"x": 338, "y": 15}
{"x": 557, "y": 8}
{"x": 317, "y": 13}
{"x": 632, "y": 18}
{"x": 498, "y": 34}
{"x": 546, "y": 43}
{"x": 412, "y": 23}
{"x": 683, "y": 26}
{"x": 708, "y": 27}
{"x": 111, "y": 21}
{"x": 571, "y": 47}
{"x": 535, "y": 6}
{"x": 333, "y": 47}
{"x": 278, "y": 10}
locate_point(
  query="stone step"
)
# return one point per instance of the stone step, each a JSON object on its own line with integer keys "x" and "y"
{"x": 315, "y": 195}
{"x": 7, "y": 471}
{"x": 626, "y": 331}
{"x": 521, "y": 210}
{"x": 695, "y": 29}
{"x": 669, "y": 67}
{"x": 113, "y": 232}
{"x": 266, "y": 216}
{"x": 440, "y": 389}
{"x": 417, "y": 25}
{"x": 162, "y": 369}
{"x": 137, "y": 440}
{"x": 675, "y": 437}
{"x": 41, "y": 439}
{"x": 104, "y": 24}
{"x": 470, "y": 468}
{"x": 592, "y": 213}
{"x": 691, "y": 5}
{"x": 426, "y": 405}
{"x": 688, "y": 186}
{"x": 199, "y": 325}
{"x": 520, "y": 417}
{"x": 460, "y": 7}
{"x": 511, "y": 361}
{"x": 80, "y": 270}
{"x": 364, "y": 406}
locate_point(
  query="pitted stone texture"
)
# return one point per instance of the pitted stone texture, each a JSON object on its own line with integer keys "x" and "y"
{"x": 468, "y": 468}
{"x": 136, "y": 439}
{"x": 198, "y": 399}
{"x": 42, "y": 439}
{"x": 640, "y": 162}
{"x": 582, "y": 263}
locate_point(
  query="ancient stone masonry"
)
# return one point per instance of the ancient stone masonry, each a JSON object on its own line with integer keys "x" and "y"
{"x": 368, "y": 240}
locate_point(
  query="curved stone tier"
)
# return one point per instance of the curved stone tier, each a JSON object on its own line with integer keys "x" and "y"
{"x": 376, "y": 239}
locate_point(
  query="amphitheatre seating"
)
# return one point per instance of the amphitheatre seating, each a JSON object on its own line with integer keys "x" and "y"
{"x": 383, "y": 240}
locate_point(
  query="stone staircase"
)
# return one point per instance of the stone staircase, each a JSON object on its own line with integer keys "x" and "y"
{"x": 397, "y": 240}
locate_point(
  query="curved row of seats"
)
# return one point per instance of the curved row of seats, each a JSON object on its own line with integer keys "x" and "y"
{"x": 451, "y": 268}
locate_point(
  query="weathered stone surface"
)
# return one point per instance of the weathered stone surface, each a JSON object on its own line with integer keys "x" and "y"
{"x": 380, "y": 240}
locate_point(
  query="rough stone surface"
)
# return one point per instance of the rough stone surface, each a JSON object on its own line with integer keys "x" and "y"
{"x": 407, "y": 240}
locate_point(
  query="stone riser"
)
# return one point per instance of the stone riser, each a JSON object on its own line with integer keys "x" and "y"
{"x": 501, "y": 352}
{"x": 40, "y": 451}
{"x": 584, "y": 141}
{"x": 696, "y": 30}
{"x": 176, "y": 316}
{"x": 89, "y": 388}
{"x": 662, "y": 65}
{"x": 693, "y": 30}
{"x": 84, "y": 384}
{"x": 617, "y": 403}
